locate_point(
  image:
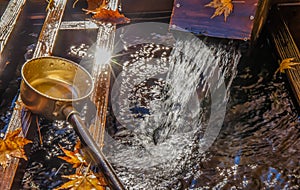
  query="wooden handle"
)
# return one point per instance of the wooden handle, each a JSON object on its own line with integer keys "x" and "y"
{"x": 93, "y": 151}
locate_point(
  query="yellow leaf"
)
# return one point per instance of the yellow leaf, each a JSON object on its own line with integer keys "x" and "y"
{"x": 85, "y": 181}
{"x": 12, "y": 146}
{"x": 73, "y": 157}
{"x": 222, "y": 7}
{"x": 103, "y": 14}
{"x": 287, "y": 63}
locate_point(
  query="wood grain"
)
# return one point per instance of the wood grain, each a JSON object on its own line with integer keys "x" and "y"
{"x": 193, "y": 16}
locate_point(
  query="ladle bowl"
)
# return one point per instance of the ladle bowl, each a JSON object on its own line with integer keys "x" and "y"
{"x": 51, "y": 83}
{"x": 51, "y": 86}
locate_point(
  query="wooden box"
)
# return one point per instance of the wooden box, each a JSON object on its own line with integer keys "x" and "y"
{"x": 244, "y": 22}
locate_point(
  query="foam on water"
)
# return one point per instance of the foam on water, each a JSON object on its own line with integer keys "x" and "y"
{"x": 165, "y": 104}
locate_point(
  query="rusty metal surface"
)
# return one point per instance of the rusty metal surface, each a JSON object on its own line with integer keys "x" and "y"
{"x": 9, "y": 20}
{"x": 192, "y": 15}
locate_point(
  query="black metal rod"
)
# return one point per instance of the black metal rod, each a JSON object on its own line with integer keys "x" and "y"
{"x": 93, "y": 151}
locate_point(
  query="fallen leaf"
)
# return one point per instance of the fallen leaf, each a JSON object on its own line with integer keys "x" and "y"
{"x": 85, "y": 181}
{"x": 74, "y": 157}
{"x": 12, "y": 146}
{"x": 222, "y": 7}
{"x": 103, "y": 14}
{"x": 287, "y": 63}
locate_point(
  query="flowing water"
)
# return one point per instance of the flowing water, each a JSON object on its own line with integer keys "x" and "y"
{"x": 200, "y": 115}
{"x": 170, "y": 108}
{"x": 170, "y": 129}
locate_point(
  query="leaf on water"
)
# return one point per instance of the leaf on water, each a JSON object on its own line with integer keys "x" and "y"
{"x": 222, "y": 7}
{"x": 287, "y": 63}
{"x": 103, "y": 14}
{"x": 85, "y": 181}
{"x": 74, "y": 157}
{"x": 12, "y": 146}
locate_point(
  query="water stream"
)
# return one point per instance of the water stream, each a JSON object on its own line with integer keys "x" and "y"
{"x": 201, "y": 114}
{"x": 165, "y": 126}
{"x": 170, "y": 104}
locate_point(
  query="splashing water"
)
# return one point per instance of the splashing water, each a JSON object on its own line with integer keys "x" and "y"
{"x": 170, "y": 103}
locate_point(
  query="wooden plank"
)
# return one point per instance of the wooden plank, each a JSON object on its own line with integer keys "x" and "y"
{"x": 291, "y": 16}
{"x": 192, "y": 15}
{"x": 144, "y": 6}
{"x": 50, "y": 29}
{"x": 101, "y": 75}
{"x": 9, "y": 20}
{"x": 44, "y": 47}
{"x": 262, "y": 14}
{"x": 286, "y": 48}
{"x": 78, "y": 25}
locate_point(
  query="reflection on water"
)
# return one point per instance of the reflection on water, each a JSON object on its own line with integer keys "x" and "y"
{"x": 258, "y": 145}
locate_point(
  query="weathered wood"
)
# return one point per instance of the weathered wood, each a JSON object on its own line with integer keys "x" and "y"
{"x": 101, "y": 75}
{"x": 144, "y": 6}
{"x": 260, "y": 18}
{"x": 78, "y": 25}
{"x": 44, "y": 47}
{"x": 291, "y": 16}
{"x": 9, "y": 20}
{"x": 193, "y": 16}
{"x": 286, "y": 48}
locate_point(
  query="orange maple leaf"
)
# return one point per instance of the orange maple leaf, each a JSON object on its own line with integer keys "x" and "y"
{"x": 12, "y": 146}
{"x": 104, "y": 14}
{"x": 80, "y": 181}
{"x": 285, "y": 64}
{"x": 222, "y": 7}
{"x": 74, "y": 157}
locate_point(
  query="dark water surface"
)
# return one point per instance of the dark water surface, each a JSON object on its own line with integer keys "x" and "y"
{"x": 257, "y": 148}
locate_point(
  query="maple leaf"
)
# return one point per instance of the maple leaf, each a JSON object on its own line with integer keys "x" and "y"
{"x": 222, "y": 7}
{"x": 85, "y": 181}
{"x": 104, "y": 14}
{"x": 287, "y": 63}
{"x": 74, "y": 157}
{"x": 12, "y": 146}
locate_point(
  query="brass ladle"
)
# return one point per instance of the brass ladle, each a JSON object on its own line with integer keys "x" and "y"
{"x": 50, "y": 87}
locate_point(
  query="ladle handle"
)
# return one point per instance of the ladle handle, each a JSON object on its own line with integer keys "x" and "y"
{"x": 93, "y": 150}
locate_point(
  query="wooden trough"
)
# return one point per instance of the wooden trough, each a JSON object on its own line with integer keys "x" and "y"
{"x": 245, "y": 23}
